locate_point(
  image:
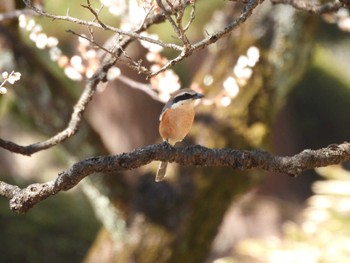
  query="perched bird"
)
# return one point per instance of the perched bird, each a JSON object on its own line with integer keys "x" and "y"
{"x": 176, "y": 121}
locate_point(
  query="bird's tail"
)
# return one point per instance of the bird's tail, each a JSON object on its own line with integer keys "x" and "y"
{"x": 161, "y": 171}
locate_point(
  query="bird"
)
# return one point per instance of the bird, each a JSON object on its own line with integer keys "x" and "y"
{"x": 175, "y": 121}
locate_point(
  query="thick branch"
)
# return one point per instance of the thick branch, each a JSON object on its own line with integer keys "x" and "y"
{"x": 21, "y": 200}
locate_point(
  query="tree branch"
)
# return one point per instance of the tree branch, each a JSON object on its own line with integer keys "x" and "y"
{"x": 84, "y": 99}
{"x": 246, "y": 12}
{"x": 74, "y": 122}
{"x": 21, "y": 200}
{"x": 96, "y": 14}
{"x": 97, "y": 25}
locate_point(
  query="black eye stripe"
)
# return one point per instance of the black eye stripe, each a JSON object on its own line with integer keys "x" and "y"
{"x": 185, "y": 96}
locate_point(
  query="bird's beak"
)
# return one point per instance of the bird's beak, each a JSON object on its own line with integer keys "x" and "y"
{"x": 199, "y": 96}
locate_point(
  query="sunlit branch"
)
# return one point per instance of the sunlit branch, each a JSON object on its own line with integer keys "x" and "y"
{"x": 171, "y": 21}
{"x": 246, "y": 12}
{"x": 97, "y": 25}
{"x": 81, "y": 105}
{"x": 96, "y": 14}
{"x": 21, "y": 200}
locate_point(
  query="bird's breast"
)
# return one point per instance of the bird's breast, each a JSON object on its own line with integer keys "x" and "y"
{"x": 176, "y": 123}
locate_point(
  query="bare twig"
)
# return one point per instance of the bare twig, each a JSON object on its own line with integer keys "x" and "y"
{"x": 135, "y": 65}
{"x": 140, "y": 86}
{"x": 143, "y": 22}
{"x": 192, "y": 16}
{"x": 246, "y": 12}
{"x": 167, "y": 15}
{"x": 86, "y": 96}
{"x": 97, "y": 25}
{"x": 96, "y": 14}
{"x": 186, "y": 50}
{"x": 74, "y": 122}
{"x": 171, "y": 63}
{"x": 21, "y": 200}
{"x": 92, "y": 41}
{"x": 179, "y": 18}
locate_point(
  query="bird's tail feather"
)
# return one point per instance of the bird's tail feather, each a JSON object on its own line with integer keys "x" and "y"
{"x": 161, "y": 171}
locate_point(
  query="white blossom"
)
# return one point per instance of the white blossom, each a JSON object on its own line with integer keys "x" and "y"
{"x": 154, "y": 48}
{"x": 22, "y": 21}
{"x": 5, "y": 75}
{"x": 225, "y": 101}
{"x": 73, "y": 74}
{"x": 115, "y": 7}
{"x": 168, "y": 82}
{"x": 30, "y": 25}
{"x": 83, "y": 41}
{"x": 231, "y": 86}
{"x": 208, "y": 80}
{"x": 55, "y": 53}
{"x": 113, "y": 73}
{"x": 77, "y": 63}
{"x": 41, "y": 41}
{"x": 242, "y": 61}
{"x": 52, "y": 41}
{"x": 253, "y": 55}
{"x": 3, "y": 90}
{"x": 244, "y": 73}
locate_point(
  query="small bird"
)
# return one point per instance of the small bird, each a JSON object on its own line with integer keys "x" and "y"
{"x": 176, "y": 121}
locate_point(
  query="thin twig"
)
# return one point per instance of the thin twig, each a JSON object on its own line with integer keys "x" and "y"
{"x": 86, "y": 96}
{"x": 171, "y": 21}
{"x": 246, "y": 12}
{"x": 140, "y": 86}
{"x": 74, "y": 122}
{"x": 135, "y": 65}
{"x": 179, "y": 18}
{"x": 192, "y": 16}
{"x": 143, "y": 22}
{"x": 96, "y": 14}
{"x": 171, "y": 63}
{"x": 97, "y": 25}
{"x": 92, "y": 41}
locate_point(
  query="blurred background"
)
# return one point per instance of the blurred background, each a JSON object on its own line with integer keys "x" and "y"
{"x": 279, "y": 82}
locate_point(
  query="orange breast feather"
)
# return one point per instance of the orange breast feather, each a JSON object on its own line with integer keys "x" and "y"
{"x": 175, "y": 124}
